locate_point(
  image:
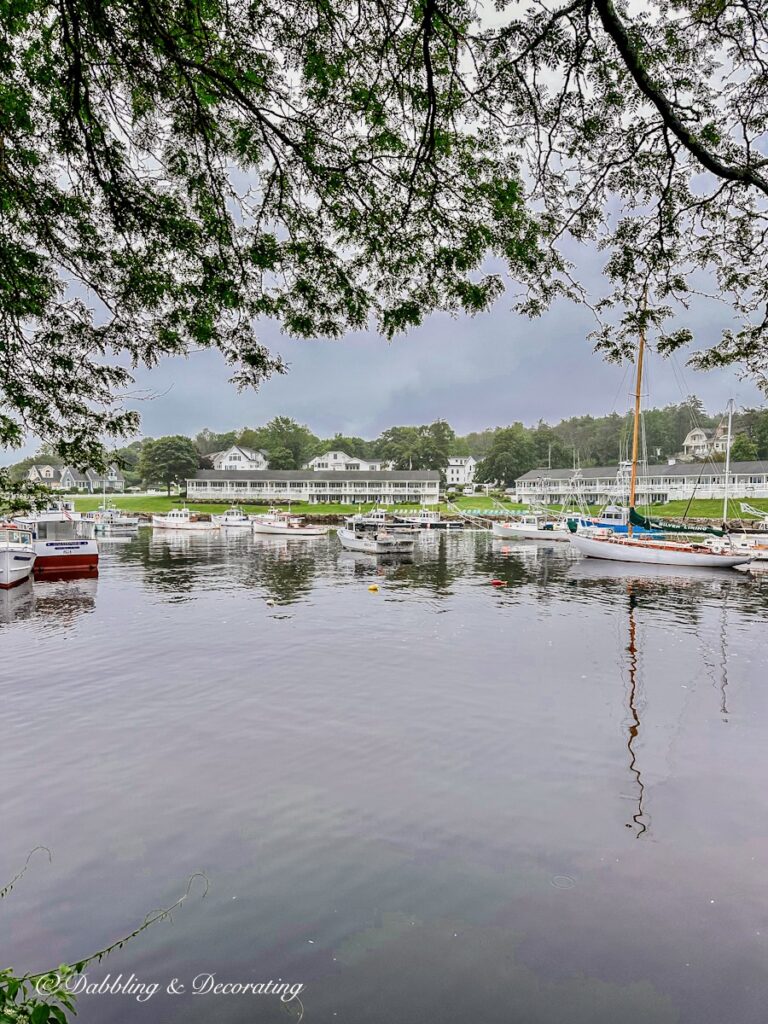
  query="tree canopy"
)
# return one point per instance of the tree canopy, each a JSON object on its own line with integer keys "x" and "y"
{"x": 168, "y": 460}
{"x": 172, "y": 172}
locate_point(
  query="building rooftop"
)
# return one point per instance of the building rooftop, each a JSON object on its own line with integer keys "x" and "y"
{"x": 663, "y": 469}
{"x": 334, "y": 475}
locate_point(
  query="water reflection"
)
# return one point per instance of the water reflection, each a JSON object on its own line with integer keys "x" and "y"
{"x": 634, "y": 728}
{"x": 17, "y": 603}
{"x": 383, "y": 795}
{"x": 54, "y": 602}
{"x": 289, "y": 569}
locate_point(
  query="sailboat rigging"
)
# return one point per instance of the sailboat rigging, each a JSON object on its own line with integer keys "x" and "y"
{"x": 631, "y": 548}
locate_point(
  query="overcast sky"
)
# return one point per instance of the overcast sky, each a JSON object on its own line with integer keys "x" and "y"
{"x": 486, "y": 371}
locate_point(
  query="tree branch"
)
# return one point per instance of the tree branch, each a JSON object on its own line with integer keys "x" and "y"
{"x": 616, "y": 29}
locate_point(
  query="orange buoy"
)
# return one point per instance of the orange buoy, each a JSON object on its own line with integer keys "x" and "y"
{"x": 498, "y": 583}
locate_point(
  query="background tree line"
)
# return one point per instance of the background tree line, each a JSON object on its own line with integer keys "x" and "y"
{"x": 506, "y": 452}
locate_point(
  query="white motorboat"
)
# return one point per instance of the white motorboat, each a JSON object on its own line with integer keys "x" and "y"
{"x": 110, "y": 517}
{"x": 17, "y": 555}
{"x": 183, "y": 519}
{"x": 428, "y": 519}
{"x": 376, "y": 517}
{"x": 532, "y": 527}
{"x": 233, "y": 518}
{"x": 285, "y": 525}
{"x": 58, "y": 548}
{"x": 376, "y": 542}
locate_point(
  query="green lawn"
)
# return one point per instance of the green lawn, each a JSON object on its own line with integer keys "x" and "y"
{"x": 159, "y": 503}
{"x": 703, "y": 509}
{"x": 707, "y": 508}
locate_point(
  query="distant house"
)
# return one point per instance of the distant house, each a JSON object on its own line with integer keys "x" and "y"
{"x": 238, "y": 457}
{"x": 43, "y": 473}
{"x": 460, "y": 470}
{"x": 68, "y": 479}
{"x": 703, "y": 441}
{"x": 341, "y": 462}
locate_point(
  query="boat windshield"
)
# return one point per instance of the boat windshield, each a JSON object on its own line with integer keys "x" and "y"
{"x": 16, "y": 536}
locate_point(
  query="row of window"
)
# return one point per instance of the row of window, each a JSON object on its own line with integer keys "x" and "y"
{"x": 300, "y": 485}
{"x": 656, "y": 481}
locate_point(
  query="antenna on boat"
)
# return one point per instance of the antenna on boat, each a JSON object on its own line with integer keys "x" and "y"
{"x": 636, "y": 426}
{"x": 727, "y": 459}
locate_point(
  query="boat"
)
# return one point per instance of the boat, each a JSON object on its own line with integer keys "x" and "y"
{"x": 183, "y": 519}
{"x": 286, "y": 525}
{"x": 605, "y": 543}
{"x": 233, "y": 518}
{"x": 58, "y": 548}
{"x": 17, "y": 555}
{"x": 428, "y": 519}
{"x": 532, "y": 527}
{"x": 271, "y": 513}
{"x": 381, "y": 541}
{"x": 376, "y": 517}
{"x": 108, "y": 516}
{"x": 612, "y": 517}
{"x": 626, "y": 548}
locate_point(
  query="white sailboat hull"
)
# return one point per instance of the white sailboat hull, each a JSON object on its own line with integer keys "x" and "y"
{"x": 653, "y": 552}
{"x": 16, "y": 563}
{"x": 373, "y": 544}
{"x": 518, "y": 531}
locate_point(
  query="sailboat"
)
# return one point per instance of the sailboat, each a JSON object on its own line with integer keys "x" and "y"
{"x": 631, "y": 548}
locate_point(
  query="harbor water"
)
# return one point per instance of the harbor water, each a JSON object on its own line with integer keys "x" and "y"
{"x": 439, "y": 801}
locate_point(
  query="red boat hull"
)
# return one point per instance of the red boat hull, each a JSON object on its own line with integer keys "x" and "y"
{"x": 64, "y": 557}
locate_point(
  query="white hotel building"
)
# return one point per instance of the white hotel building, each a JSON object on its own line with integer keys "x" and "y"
{"x": 679, "y": 481}
{"x": 383, "y": 487}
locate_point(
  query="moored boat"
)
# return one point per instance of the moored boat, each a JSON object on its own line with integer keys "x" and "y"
{"x": 183, "y": 519}
{"x": 377, "y": 541}
{"x": 376, "y": 517}
{"x": 648, "y": 549}
{"x": 532, "y": 527}
{"x": 110, "y": 517}
{"x": 286, "y": 525}
{"x": 625, "y": 548}
{"x": 428, "y": 519}
{"x": 58, "y": 548}
{"x": 233, "y": 518}
{"x": 17, "y": 555}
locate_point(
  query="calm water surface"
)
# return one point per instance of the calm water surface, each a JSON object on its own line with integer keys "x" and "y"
{"x": 440, "y": 802}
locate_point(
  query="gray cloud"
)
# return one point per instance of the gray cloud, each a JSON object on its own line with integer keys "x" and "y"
{"x": 479, "y": 372}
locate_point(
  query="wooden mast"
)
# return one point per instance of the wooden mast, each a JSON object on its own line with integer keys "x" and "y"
{"x": 636, "y": 430}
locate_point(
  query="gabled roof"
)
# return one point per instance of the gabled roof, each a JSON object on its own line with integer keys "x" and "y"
{"x": 249, "y": 453}
{"x": 39, "y": 466}
{"x": 708, "y": 432}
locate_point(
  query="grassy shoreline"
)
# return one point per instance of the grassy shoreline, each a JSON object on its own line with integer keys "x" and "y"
{"x": 160, "y": 503}
{"x": 699, "y": 509}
